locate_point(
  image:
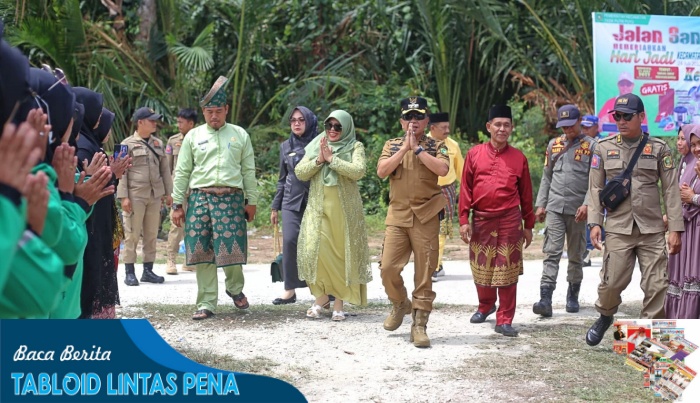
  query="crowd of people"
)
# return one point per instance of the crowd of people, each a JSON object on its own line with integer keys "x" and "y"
{"x": 62, "y": 226}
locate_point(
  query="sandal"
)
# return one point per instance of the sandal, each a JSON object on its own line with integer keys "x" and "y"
{"x": 202, "y": 314}
{"x": 314, "y": 312}
{"x": 239, "y": 300}
{"x": 338, "y": 316}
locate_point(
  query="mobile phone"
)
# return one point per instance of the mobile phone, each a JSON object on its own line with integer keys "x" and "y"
{"x": 120, "y": 151}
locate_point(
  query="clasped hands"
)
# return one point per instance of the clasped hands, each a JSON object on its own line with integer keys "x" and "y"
{"x": 409, "y": 141}
{"x": 325, "y": 154}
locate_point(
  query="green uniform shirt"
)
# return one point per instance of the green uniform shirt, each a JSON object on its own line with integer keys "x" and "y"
{"x": 65, "y": 234}
{"x": 211, "y": 157}
{"x": 13, "y": 219}
{"x": 64, "y": 229}
{"x": 35, "y": 281}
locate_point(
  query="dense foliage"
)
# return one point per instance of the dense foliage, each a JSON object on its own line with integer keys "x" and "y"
{"x": 361, "y": 56}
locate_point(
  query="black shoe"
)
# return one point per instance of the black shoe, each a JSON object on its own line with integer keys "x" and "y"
{"x": 506, "y": 330}
{"x": 148, "y": 276}
{"x": 572, "y": 305}
{"x": 595, "y": 334}
{"x": 544, "y": 305}
{"x": 479, "y": 317}
{"x": 282, "y": 301}
{"x": 130, "y": 276}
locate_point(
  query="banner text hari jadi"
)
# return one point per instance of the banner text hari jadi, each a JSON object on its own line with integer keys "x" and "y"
{"x": 115, "y": 384}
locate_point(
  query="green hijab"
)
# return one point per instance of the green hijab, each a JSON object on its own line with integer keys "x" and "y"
{"x": 341, "y": 149}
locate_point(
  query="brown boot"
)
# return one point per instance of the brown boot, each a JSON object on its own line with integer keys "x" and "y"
{"x": 419, "y": 337}
{"x": 189, "y": 268}
{"x": 395, "y": 318}
{"x": 171, "y": 267}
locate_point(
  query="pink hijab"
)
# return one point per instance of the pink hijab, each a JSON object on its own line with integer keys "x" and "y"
{"x": 690, "y": 210}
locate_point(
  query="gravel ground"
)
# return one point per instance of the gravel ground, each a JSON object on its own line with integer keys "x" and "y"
{"x": 357, "y": 360}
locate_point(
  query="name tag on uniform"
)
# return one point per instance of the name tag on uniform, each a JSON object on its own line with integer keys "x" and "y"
{"x": 613, "y": 154}
{"x": 203, "y": 145}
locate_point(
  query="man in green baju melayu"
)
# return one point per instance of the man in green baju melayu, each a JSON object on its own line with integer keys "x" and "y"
{"x": 216, "y": 162}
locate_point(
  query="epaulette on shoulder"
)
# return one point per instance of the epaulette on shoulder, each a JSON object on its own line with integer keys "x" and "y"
{"x": 609, "y": 138}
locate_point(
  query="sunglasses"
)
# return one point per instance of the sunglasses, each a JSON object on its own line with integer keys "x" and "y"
{"x": 295, "y": 121}
{"x": 626, "y": 116}
{"x": 337, "y": 127}
{"x": 413, "y": 115}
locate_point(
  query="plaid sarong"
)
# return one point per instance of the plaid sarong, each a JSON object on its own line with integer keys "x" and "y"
{"x": 215, "y": 229}
{"x": 451, "y": 197}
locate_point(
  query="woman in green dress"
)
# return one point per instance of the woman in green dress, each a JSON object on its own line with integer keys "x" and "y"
{"x": 333, "y": 256}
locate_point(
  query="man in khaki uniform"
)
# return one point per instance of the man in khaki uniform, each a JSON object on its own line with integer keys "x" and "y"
{"x": 561, "y": 202}
{"x": 412, "y": 163}
{"x": 140, "y": 191}
{"x": 635, "y": 229}
{"x": 186, "y": 120}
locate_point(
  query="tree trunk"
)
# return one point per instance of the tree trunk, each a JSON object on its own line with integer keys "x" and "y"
{"x": 147, "y": 18}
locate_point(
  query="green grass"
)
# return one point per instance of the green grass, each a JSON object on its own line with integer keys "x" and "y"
{"x": 375, "y": 223}
{"x": 554, "y": 363}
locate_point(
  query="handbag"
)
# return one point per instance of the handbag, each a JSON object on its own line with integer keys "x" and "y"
{"x": 276, "y": 265}
{"x": 618, "y": 188}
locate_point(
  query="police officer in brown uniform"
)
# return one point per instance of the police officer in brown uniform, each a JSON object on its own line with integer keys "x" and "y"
{"x": 634, "y": 229}
{"x": 140, "y": 192}
{"x": 412, "y": 163}
{"x": 186, "y": 121}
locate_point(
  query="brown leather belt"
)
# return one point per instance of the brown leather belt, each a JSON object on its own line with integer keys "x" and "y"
{"x": 218, "y": 190}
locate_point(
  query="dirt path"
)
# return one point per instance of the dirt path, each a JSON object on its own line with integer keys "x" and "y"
{"x": 358, "y": 361}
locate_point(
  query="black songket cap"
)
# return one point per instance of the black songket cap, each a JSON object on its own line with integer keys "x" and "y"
{"x": 500, "y": 111}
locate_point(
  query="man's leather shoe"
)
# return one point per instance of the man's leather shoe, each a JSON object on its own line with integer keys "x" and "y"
{"x": 506, "y": 330}
{"x": 595, "y": 334}
{"x": 479, "y": 317}
{"x": 283, "y": 301}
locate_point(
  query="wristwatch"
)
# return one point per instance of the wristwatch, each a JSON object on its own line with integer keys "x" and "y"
{"x": 590, "y": 226}
{"x": 419, "y": 150}
{"x": 177, "y": 207}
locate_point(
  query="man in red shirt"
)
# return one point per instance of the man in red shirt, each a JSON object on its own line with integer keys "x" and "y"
{"x": 497, "y": 189}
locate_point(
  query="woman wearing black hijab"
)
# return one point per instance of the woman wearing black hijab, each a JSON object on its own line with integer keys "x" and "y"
{"x": 291, "y": 197}
{"x": 100, "y": 292}
{"x": 102, "y": 132}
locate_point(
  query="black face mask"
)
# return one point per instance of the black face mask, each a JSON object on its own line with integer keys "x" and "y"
{"x": 92, "y": 101}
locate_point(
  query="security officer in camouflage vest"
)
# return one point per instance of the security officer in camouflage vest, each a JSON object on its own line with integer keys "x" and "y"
{"x": 635, "y": 229}
{"x": 412, "y": 163}
{"x": 186, "y": 121}
{"x": 561, "y": 199}
{"x": 141, "y": 191}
